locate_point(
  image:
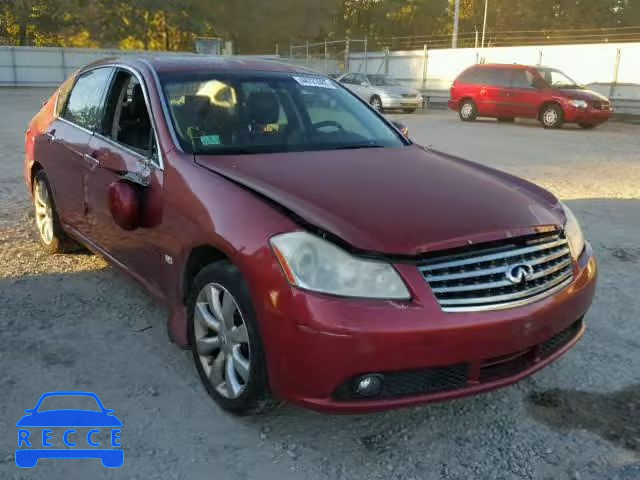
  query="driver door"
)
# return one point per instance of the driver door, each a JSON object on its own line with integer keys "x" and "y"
{"x": 125, "y": 150}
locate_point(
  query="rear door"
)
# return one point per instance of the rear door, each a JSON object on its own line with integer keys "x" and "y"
{"x": 522, "y": 95}
{"x": 65, "y": 144}
{"x": 493, "y": 94}
{"x": 124, "y": 149}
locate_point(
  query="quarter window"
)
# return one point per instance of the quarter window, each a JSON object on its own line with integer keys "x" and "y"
{"x": 84, "y": 107}
{"x": 498, "y": 77}
{"x": 63, "y": 95}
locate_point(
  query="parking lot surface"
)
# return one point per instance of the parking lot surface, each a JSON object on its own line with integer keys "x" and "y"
{"x": 71, "y": 322}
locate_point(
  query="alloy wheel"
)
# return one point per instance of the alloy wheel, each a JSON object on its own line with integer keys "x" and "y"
{"x": 550, "y": 117}
{"x": 43, "y": 212}
{"x": 222, "y": 340}
{"x": 376, "y": 104}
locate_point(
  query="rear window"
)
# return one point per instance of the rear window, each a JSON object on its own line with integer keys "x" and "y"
{"x": 84, "y": 106}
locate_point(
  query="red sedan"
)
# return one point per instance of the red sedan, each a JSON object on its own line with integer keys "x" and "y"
{"x": 306, "y": 249}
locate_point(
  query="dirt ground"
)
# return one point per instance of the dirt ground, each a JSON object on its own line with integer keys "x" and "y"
{"x": 74, "y": 323}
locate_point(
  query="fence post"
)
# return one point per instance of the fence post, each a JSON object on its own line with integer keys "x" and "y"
{"x": 616, "y": 72}
{"x": 365, "y": 54}
{"x": 326, "y": 57}
{"x": 386, "y": 60}
{"x": 290, "y": 53}
{"x": 277, "y": 52}
{"x": 540, "y": 57}
{"x": 425, "y": 60}
{"x": 346, "y": 54}
{"x": 307, "y": 53}
{"x": 63, "y": 64}
{"x": 14, "y": 67}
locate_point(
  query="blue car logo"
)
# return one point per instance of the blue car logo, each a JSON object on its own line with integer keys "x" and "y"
{"x": 36, "y": 429}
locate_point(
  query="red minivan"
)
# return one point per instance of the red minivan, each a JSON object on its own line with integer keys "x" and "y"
{"x": 509, "y": 91}
{"x": 305, "y": 249}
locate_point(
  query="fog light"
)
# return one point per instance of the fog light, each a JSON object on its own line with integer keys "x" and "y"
{"x": 368, "y": 385}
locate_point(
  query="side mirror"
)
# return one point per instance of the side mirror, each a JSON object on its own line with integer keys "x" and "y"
{"x": 124, "y": 204}
{"x": 401, "y": 127}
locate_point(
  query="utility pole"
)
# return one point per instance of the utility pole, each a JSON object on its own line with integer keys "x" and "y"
{"x": 484, "y": 23}
{"x": 456, "y": 18}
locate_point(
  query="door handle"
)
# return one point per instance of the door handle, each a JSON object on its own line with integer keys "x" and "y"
{"x": 92, "y": 161}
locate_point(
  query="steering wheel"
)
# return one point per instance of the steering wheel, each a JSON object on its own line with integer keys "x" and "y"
{"x": 328, "y": 123}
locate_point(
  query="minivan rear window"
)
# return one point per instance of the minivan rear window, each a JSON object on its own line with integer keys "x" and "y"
{"x": 486, "y": 76}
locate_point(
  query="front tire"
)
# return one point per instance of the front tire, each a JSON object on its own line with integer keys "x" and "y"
{"x": 52, "y": 237}
{"x": 225, "y": 340}
{"x": 468, "y": 111}
{"x": 376, "y": 103}
{"x": 552, "y": 116}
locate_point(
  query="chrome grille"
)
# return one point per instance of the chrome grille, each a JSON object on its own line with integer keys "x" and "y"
{"x": 478, "y": 280}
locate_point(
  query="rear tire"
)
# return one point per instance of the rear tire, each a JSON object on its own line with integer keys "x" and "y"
{"x": 588, "y": 126}
{"x": 50, "y": 233}
{"x": 468, "y": 111}
{"x": 226, "y": 343}
{"x": 552, "y": 116}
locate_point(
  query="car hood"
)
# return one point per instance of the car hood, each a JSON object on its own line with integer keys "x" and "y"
{"x": 579, "y": 94}
{"x": 69, "y": 418}
{"x": 394, "y": 90}
{"x": 404, "y": 201}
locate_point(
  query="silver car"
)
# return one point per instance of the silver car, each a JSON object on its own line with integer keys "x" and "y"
{"x": 382, "y": 92}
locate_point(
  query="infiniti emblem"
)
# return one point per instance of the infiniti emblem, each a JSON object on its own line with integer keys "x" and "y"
{"x": 519, "y": 273}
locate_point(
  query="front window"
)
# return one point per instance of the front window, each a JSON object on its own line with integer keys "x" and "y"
{"x": 382, "y": 81}
{"x": 270, "y": 112}
{"x": 557, "y": 79}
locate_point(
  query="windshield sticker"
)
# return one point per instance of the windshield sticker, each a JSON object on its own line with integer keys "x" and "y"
{"x": 210, "y": 140}
{"x": 310, "y": 81}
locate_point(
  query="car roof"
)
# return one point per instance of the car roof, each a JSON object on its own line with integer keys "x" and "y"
{"x": 203, "y": 63}
{"x": 502, "y": 65}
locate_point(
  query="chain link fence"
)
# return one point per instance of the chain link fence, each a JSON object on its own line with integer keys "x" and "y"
{"x": 330, "y": 57}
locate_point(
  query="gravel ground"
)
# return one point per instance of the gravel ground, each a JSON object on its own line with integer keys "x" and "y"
{"x": 72, "y": 322}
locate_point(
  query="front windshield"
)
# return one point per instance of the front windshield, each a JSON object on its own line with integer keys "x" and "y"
{"x": 382, "y": 81}
{"x": 556, "y": 78}
{"x": 270, "y": 112}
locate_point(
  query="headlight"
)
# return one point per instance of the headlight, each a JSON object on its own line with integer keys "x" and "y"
{"x": 573, "y": 232}
{"x": 312, "y": 263}
{"x": 581, "y": 104}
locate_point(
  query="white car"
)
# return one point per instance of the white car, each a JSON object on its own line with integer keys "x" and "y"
{"x": 382, "y": 92}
